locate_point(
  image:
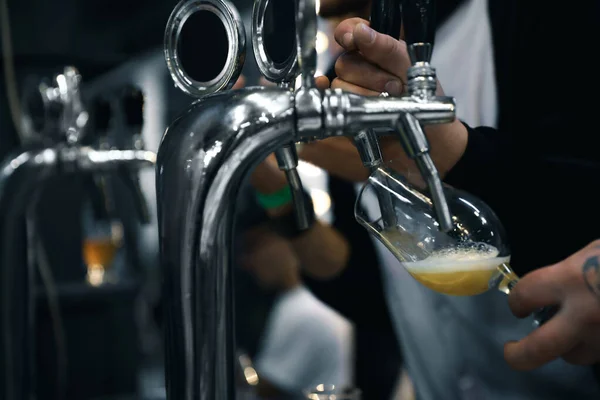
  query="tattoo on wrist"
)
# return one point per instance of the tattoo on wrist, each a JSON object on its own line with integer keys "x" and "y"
{"x": 591, "y": 274}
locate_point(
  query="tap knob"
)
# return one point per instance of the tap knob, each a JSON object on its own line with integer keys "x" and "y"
{"x": 133, "y": 107}
{"x": 419, "y": 28}
{"x": 55, "y": 109}
{"x": 386, "y": 17}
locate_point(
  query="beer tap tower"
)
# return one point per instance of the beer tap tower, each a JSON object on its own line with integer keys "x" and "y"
{"x": 54, "y": 126}
{"x": 206, "y": 153}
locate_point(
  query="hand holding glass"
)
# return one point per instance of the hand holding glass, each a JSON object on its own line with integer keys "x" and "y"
{"x": 468, "y": 260}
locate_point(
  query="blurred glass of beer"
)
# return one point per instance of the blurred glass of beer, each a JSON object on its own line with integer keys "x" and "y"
{"x": 99, "y": 251}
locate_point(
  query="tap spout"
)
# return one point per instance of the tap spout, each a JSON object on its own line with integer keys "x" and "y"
{"x": 202, "y": 160}
{"x": 416, "y": 146}
{"x": 287, "y": 159}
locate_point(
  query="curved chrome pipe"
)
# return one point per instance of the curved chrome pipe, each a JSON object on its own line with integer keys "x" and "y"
{"x": 22, "y": 176}
{"x": 201, "y": 163}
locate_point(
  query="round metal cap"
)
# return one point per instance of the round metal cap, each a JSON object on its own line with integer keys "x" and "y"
{"x": 205, "y": 46}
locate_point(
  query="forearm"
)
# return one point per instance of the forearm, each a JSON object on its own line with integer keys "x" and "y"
{"x": 322, "y": 250}
{"x": 338, "y": 156}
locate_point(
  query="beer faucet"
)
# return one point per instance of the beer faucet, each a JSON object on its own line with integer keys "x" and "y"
{"x": 385, "y": 18}
{"x": 208, "y": 150}
{"x": 419, "y": 27}
{"x": 419, "y": 30}
{"x": 284, "y": 75}
{"x": 54, "y": 129}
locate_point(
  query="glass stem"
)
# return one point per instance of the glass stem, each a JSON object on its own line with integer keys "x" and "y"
{"x": 508, "y": 282}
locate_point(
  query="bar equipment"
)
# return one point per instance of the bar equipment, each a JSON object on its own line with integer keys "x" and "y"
{"x": 207, "y": 151}
{"x": 55, "y": 125}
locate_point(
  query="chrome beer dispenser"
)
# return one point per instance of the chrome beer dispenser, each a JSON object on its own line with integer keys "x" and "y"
{"x": 206, "y": 153}
{"x": 54, "y": 123}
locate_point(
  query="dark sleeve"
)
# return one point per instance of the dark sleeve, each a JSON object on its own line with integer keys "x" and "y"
{"x": 485, "y": 163}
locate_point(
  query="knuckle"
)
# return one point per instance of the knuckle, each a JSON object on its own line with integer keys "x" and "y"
{"x": 337, "y": 83}
{"x": 389, "y": 45}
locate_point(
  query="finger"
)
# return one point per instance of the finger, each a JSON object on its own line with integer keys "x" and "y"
{"x": 548, "y": 342}
{"x": 322, "y": 82}
{"x": 382, "y": 50}
{"x": 582, "y": 354}
{"x": 540, "y": 288}
{"x": 240, "y": 83}
{"x": 350, "y": 87}
{"x": 344, "y": 33}
{"x": 353, "y": 67}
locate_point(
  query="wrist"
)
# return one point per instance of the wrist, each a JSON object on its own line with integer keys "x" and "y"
{"x": 275, "y": 201}
{"x": 448, "y": 144}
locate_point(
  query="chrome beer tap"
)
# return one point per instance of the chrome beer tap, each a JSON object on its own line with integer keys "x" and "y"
{"x": 55, "y": 123}
{"x": 419, "y": 29}
{"x": 206, "y": 153}
{"x": 284, "y": 75}
{"x": 385, "y": 18}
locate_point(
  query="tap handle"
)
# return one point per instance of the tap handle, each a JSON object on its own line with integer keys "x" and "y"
{"x": 386, "y": 17}
{"x": 306, "y": 39}
{"x": 133, "y": 107}
{"x": 55, "y": 110}
{"x": 419, "y": 28}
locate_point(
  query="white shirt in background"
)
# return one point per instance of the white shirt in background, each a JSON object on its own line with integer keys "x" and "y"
{"x": 305, "y": 343}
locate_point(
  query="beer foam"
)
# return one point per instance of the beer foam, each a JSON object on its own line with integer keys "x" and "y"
{"x": 477, "y": 258}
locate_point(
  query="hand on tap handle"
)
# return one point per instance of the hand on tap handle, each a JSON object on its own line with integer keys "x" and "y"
{"x": 375, "y": 63}
{"x": 418, "y": 17}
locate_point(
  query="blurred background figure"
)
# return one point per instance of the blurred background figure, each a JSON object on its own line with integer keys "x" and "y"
{"x": 305, "y": 343}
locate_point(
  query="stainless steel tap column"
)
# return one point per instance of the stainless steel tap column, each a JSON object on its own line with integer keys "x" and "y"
{"x": 203, "y": 158}
{"x": 22, "y": 176}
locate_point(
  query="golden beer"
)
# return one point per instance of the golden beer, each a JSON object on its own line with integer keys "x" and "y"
{"x": 99, "y": 254}
{"x": 458, "y": 275}
{"x": 458, "y": 271}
